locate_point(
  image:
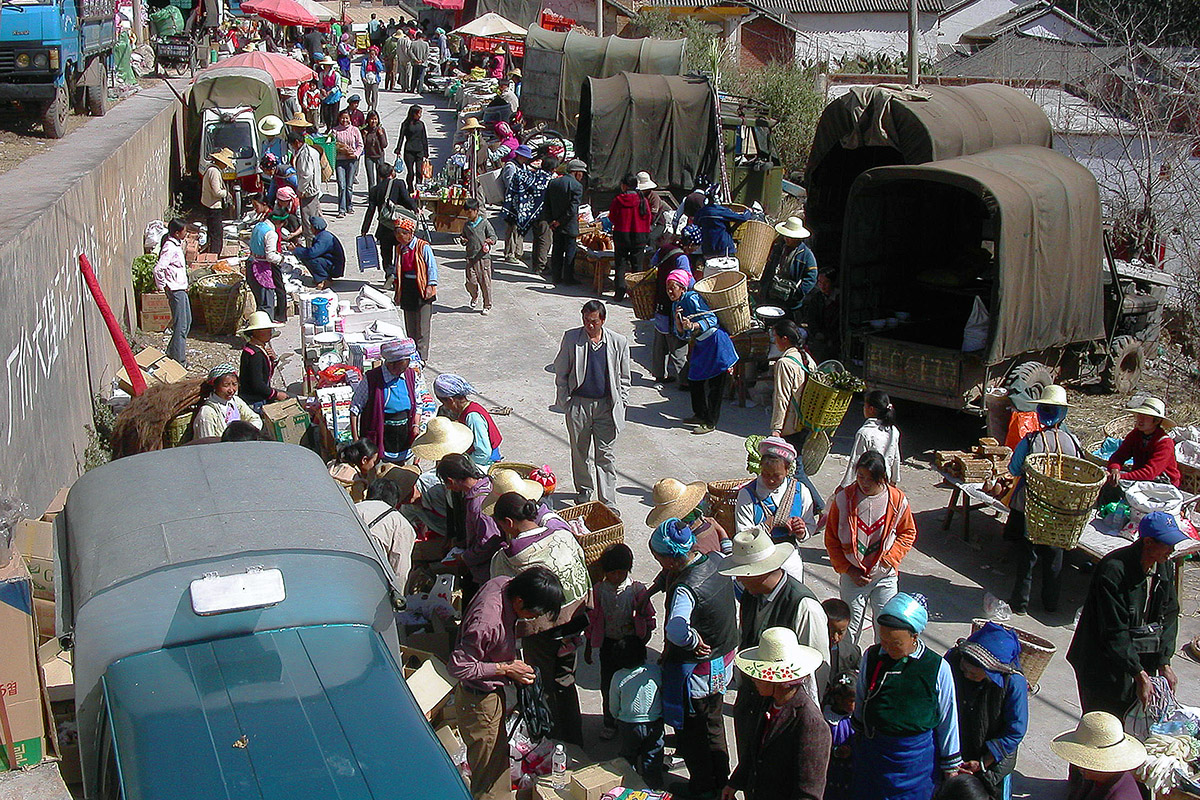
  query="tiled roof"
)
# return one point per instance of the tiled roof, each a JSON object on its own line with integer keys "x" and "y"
{"x": 852, "y": 6}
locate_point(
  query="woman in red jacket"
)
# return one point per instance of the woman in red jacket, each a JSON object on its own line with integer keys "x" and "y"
{"x": 1152, "y": 450}
{"x": 630, "y": 217}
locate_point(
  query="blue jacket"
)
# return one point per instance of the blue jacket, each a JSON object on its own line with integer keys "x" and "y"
{"x": 326, "y": 256}
{"x": 714, "y": 221}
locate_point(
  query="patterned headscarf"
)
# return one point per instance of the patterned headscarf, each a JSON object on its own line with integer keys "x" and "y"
{"x": 221, "y": 370}
{"x": 905, "y": 611}
{"x": 672, "y": 538}
{"x": 397, "y": 350}
{"x": 451, "y": 385}
{"x": 994, "y": 648}
{"x": 406, "y": 224}
{"x": 691, "y": 235}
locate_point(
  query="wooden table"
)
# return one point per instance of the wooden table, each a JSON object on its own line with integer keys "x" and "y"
{"x": 972, "y": 498}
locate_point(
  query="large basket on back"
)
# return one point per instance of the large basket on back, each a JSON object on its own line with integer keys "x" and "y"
{"x": 1060, "y": 492}
{"x": 754, "y": 240}
{"x": 727, "y": 295}
{"x": 1036, "y": 652}
{"x": 642, "y": 287}
{"x": 722, "y": 497}
{"x": 604, "y": 528}
{"x": 822, "y": 406}
{"x": 220, "y": 295}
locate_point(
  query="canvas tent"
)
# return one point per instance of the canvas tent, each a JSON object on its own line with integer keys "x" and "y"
{"x": 914, "y": 235}
{"x": 490, "y": 24}
{"x": 663, "y": 124}
{"x": 557, "y": 65}
{"x": 885, "y": 125}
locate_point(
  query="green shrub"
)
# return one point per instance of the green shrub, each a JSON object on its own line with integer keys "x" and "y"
{"x": 790, "y": 94}
{"x": 143, "y": 273}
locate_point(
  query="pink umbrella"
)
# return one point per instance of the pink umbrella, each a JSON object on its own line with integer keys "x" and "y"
{"x": 286, "y": 71}
{"x": 281, "y": 12}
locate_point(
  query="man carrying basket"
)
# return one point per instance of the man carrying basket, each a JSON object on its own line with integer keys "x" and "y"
{"x": 1051, "y": 412}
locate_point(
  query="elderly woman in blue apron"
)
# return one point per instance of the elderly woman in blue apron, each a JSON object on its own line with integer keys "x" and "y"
{"x": 906, "y": 714}
{"x": 713, "y": 353}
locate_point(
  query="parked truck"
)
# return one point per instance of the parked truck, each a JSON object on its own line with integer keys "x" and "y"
{"x": 55, "y": 57}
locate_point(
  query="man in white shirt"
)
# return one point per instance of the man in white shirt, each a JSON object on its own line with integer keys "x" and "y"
{"x": 388, "y": 525}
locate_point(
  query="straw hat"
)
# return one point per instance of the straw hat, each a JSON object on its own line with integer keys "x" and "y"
{"x": 1151, "y": 407}
{"x": 298, "y": 121}
{"x": 509, "y": 480}
{"x": 472, "y": 124}
{"x": 327, "y": 62}
{"x": 442, "y": 436}
{"x": 224, "y": 156}
{"x": 501, "y": 50}
{"x": 259, "y": 321}
{"x": 778, "y": 657}
{"x": 755, "y": 554}
{"x": 793, "y": 228}
{"x": 645, "y": 182}
{"x": 674, "y": 498}
{"x": 1099, "y": 743}
{"x": 1054, "y": 396}
{"x": 403, "y": 475}
{"x": 270, "y": 125}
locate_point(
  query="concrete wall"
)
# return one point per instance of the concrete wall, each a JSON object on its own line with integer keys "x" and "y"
{"x": 92, "y": 193}
{"x": 829, "y": 37}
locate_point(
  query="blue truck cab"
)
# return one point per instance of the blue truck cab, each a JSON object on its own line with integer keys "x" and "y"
{"x": 56, "y": 55}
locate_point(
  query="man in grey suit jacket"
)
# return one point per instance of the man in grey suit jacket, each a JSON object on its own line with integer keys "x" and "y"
{"x": 591, "y": 374}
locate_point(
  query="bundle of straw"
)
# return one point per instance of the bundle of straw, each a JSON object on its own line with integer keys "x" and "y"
{"x": 140, "y": 426}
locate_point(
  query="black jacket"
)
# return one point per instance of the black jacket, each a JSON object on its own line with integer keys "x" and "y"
{"x": 254, "y": 375}
{"x": 1103, "y": 650}
{"x": 375, "y": 200}
{"x": 791, "y": 762}
{"x": 563, "y": 195}
{"x": 413, "y": 138}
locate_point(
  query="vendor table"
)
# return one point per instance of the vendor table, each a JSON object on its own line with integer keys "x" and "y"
{"x": 972, "y": 498}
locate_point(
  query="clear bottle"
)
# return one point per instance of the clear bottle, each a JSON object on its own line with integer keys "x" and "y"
{"x": 558, "y": 765}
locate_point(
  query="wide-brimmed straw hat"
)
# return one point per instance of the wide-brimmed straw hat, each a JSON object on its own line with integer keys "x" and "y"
{"x": 674, "y": 498}
{"x": 270, "y": 125}
{"x": 1099, "y": 743}
{"x": 793, "y": 228}
{"x": 754, "y": 554}
{"x": 509, "y": 480}
{"x": 442, "y": 436}
{"x": 258, "y": 321}
{"x": 403, "y": 475}
{"x": 224, "y": 156}
{"x": 299, "y": 121}
{"x": 1054, "y": 396}
{"x": 472, "y": 124}
{"x": 645, "y": 182}
{"x": 1151, "y": 407}
{"x": 778, "y": 658}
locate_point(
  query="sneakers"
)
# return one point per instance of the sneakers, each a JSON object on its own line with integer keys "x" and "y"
{"x": 474, "y": 304}
{"x": 700, "y": 430}
{"x": 486, "y": 311}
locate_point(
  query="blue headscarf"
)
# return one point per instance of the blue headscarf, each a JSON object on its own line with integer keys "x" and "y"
{"x": 451, "y": 385}
{"x": 994, "y": 648}
{"x": 1051, "y": 416}
{"x": 905, "y": 611}
{"x": 691, "y": 234}
{"x": 672, "y": 538}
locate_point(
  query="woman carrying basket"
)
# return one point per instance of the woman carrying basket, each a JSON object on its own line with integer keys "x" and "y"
{"x": 1052, "y": 412}
{"x": 713, "y": 353}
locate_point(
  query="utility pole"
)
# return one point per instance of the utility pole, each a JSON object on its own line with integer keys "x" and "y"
{"x": 599, "y": 17}
{"x": 914, "y": 31}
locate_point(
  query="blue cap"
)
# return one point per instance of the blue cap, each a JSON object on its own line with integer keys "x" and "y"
{"x": 907, "y": 610}
{"x": 1161, "y": 527}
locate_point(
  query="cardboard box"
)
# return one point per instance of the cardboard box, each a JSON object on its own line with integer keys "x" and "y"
{"x": 20, "y": 678}
{"x": 286, "y": 421}
{"x": 57, "y": 671}
{"x": 591, "y": 782}
{"x": 428, "y": 679}
{"x": 35, "y": 542}
{"x": 154, "y": 301}
{"x": 448, "y": 736}
{"x": 56, "y": 505}
{"x": 154, "y": 321}
{"x": 156, "y": 368}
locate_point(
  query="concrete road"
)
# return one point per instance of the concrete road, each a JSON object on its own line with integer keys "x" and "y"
{"x": 508, "y": 357}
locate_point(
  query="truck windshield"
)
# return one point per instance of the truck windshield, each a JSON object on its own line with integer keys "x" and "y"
{"x": 237, "y": 136}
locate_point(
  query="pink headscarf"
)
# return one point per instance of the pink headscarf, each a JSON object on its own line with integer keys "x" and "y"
{"x": 682, "y": 277}
{"x": 507, "y": 138}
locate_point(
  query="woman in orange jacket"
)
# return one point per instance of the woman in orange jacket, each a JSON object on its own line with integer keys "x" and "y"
{"x": 869, "y": 529}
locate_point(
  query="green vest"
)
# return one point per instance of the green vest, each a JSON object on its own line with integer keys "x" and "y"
{"x": 901, "y": 698}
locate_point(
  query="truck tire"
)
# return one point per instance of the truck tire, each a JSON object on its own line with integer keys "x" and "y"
{"x": 54, "y": 116}
{"x": 97, "y": 94}
{"x": 1124, "y": 366}
{"x": 1028, "y": 379}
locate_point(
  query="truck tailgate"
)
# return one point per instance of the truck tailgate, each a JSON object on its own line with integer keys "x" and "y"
{"x": 915, "y": 371}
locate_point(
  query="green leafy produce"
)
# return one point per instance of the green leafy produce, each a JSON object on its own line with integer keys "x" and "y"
{"x": 845, "y": 381}
{"x": 143, "y": 273}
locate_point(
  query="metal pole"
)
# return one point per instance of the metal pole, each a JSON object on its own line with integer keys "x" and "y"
{"x": 599, "y": 17}
{"x": 913, "y": 33}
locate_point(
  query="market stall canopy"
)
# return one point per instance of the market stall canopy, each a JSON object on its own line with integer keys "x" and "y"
{"x": 281, "y": 12}
{"x": 1045, "y": 217}
{"x": 663, "y": 124}
{"x": 361, "y": 15}
{"x": 285, "y": 70}
{"x": 490, "y": 24}
{"x": 873, "y": 126}
{"x": 557, "y": 64}
{"x": 317, "y": 10}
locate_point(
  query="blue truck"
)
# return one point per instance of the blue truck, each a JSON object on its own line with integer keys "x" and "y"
{"x": 55, "y": 57}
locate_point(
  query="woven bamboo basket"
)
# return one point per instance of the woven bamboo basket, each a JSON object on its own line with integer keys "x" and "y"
{"x": 737, "y": 208}
{"x": 221, "y": 298}
{"x": 721, "y": 499}
{"x": 1036, "y": 652}
{"x": 1189, "y": 479}
{"x": 1118, "y": 428}
{"x": 815, "y": 451}
{"x": 642, "y": 287}
{"x": 754, "y": 240}
{"x": 1089, "y": 455}
{"x": 177, "y": 428}
{"x": 822, "y": 406}
{"x": 1060, "y": 494}
{"x": 727, "y": 295}
{"x": 604, "y": 528}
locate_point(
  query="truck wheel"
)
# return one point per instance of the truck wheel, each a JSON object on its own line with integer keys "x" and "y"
{"x": 1124, "y": 365}
{"x": 1028, "y": 379}
{"x": 97, "y": 95}
{"x": 54, "y": 117}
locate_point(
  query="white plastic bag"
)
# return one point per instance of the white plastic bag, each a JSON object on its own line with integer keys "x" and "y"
{"x": 156, "y": 229}
{"x": 975, "y": 333}
{"x": 1144, "y": 497}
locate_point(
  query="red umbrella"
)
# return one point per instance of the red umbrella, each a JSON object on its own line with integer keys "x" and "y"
{"x": 281, "y": 12}
{"x": 286, "y": 71}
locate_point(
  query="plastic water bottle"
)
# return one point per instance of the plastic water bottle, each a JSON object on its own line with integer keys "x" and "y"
{"x": 558, "y": 767}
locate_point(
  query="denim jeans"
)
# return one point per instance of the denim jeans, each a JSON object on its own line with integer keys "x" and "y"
{"x": 347, "y": 168}
{"x": 642, "y": 747}
{"x": 372, "y": 169}
{"x": 181, "y": 323}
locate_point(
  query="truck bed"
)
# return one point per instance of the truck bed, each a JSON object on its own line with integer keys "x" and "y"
{"x": 929, "y": 374}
